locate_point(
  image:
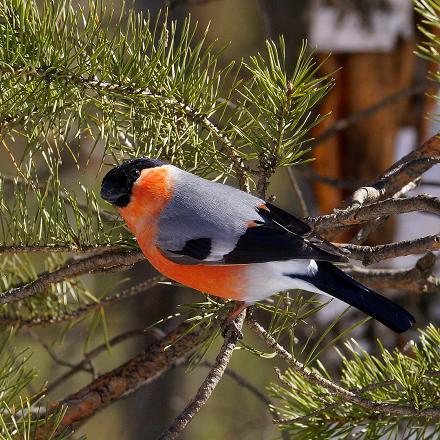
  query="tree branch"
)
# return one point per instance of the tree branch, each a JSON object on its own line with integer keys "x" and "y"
{"x": 372, "y": 211}
{"x": 417, "y": 279}
{"x": 207, "y": 387}
{"x": 343, "y": 124}
{"x": 374, "y": 254}
{"x": 72, "y": 269}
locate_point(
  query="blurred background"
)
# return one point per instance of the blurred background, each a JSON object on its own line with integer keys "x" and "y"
{"x": 379, "y": 110}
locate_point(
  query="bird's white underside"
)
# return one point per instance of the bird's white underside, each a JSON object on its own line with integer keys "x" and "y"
{"x": 266, "y": 279}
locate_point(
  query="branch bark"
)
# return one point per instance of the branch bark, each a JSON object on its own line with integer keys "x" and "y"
{"x": 418, "y": 279}
{"x": 372, "y": 211}
{"x": 374, "y": 254}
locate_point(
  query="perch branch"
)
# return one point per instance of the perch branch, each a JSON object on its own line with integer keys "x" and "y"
{"x": 207, "y": 387}
{"x": 372, "y": 211}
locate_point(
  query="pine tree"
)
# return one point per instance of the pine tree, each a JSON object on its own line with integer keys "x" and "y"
{"x": 93, "y": 87}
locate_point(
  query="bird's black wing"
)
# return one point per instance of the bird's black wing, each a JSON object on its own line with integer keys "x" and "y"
{"x": 280, "y": 237}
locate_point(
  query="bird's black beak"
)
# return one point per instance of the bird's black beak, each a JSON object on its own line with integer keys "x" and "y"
{"x": 114, "y": 194}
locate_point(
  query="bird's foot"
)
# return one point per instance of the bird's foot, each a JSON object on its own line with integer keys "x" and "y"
{"x": 230, "y": 329}
{"x": 229, "y": 326}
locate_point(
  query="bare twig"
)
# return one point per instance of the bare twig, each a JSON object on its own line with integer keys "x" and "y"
{"x": 72, "y": 269}
{"x": 52, "y": 353}
{"x": 298, "y": 192}
{"x": 343, "y": 124}
{"x": 374, "y": 254}
{"x": 75, "y": 368}
{"x": 207, "y": 387}
{"x": 344, "y": 394}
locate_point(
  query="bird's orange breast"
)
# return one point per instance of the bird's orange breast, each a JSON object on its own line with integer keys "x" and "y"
{"x": 150, "y": 196}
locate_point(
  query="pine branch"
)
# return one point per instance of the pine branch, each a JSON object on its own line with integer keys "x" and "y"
{"x": 93, "y": 264}
{"x": 342, "y": 393}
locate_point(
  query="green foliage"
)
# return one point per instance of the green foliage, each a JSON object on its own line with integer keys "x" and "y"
{"x": 410, "y": 379}
{"x": 55, "y": 301}
{"x": 91, "y": 86}
{"x": 275, "y": 107}
{"x": 430, "y": 49}
{"x": 75, "y": 85}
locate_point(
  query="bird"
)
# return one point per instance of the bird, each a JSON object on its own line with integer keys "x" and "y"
{"x": 225, "y": 242}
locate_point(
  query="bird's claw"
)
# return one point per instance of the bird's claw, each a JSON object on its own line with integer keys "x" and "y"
{"x": 231, "y": 330}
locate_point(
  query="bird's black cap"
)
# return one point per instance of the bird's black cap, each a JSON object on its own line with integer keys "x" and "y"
{"x": 118, "y": 182}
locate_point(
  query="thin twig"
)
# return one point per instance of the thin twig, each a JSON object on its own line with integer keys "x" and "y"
{"x": 343, "y": 124}
{"x": 243, "y": 382}
{"x": 52, "y": 354}
{"x": 207, "y": 387}
{"x": 298, "y": 192}
{"x": 76, "y": 368}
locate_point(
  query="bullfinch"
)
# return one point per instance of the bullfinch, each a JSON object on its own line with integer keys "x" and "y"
{"x": 225, "y": 242}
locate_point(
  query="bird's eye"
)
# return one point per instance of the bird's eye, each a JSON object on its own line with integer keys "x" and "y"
{"x": 134, "y": 173}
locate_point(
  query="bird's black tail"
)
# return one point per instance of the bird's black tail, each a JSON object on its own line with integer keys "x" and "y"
{"x": 333, "y": 281}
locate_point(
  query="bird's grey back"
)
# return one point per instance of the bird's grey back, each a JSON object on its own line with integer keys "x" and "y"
{"x": 201, "y": 208}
